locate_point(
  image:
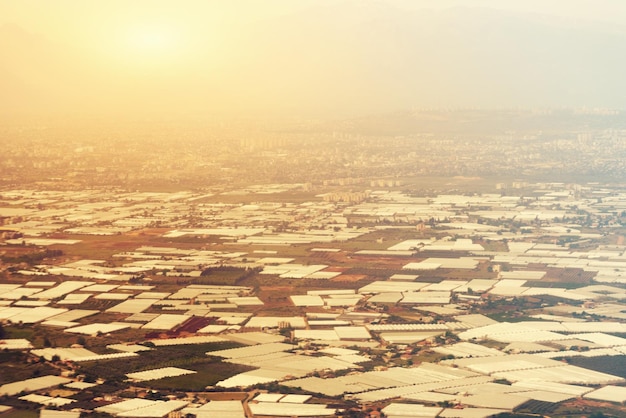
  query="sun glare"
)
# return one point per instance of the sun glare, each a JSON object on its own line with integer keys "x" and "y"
{"x": 153, "y": 39}
{"x": 147, "y": 46}
{"x": 154, "y": 48}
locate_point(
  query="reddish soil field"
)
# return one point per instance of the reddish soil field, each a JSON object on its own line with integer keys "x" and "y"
{"x": 336, "y": 269}
{"x": 568, "y": 275}
{"x": 349, "y": 278}
{"x": 194, "y": 324}
{"x": 275, "y": 296}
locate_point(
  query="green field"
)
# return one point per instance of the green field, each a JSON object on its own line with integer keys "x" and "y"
{"x": 209, "y": 372}
{"x": 18, "y": 366}
{"x": 183, "y": 356}
{"x": 614, "y": 365}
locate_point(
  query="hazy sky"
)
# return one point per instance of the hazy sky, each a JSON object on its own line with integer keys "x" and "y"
{"x": 309, "y": 57}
